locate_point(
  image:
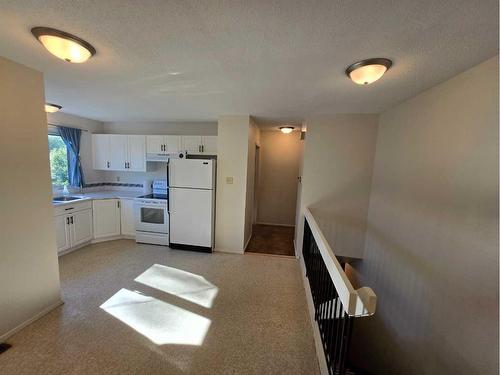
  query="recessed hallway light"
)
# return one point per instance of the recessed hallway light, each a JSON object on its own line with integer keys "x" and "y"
{"x": 64, "y": 45}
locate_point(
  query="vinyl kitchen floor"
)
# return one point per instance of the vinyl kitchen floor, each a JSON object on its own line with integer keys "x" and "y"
{"x": 144, "y": 309}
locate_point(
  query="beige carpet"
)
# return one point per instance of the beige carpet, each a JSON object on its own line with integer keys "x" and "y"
{"x": 187, "y": 313}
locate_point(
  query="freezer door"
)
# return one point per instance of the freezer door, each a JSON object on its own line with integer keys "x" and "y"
{"x": 191, "y": 173}
{"x": 191, "y": 217}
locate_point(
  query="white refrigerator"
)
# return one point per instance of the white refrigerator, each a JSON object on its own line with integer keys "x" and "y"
{"x": 192, "y": 204}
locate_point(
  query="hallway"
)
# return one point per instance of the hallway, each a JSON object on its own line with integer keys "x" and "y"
{"x": 272, "y": 239}
{"x": 133, "y": 308}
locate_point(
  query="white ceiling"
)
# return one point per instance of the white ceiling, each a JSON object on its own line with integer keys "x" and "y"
{"x": 280, "y": 61}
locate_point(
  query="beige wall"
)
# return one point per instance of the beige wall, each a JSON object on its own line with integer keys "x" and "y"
{"x": 92, "y": 126}
{"x": 253, "y": 141}
{"x": 279, "y": 168}
{"x": 29, "y": 273}
{"x": 232, "y": 161}
{"x": 336, "y": 177}
{"x": 431, "y": 252}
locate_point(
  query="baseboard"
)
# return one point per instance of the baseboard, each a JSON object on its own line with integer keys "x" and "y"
{"x": 320, "y": 354}
{"x": 112, "y": 238}
{"x": 274, "y": 224}
{"x": 73, "y": 249}
{"x": 16, "y": 329}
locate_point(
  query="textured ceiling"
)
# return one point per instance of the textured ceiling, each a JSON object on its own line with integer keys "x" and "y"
{"x": 279, "y": 61}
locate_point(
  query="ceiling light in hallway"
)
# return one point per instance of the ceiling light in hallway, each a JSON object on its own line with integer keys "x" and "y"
{"x": 286, "y": 129}
{"x": 52, "y": 108}
{"x": 368, "y": 71}
{"x": 63, "y": 45}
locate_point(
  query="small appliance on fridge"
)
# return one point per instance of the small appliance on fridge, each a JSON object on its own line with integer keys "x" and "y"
{"x": 192, "y": 204}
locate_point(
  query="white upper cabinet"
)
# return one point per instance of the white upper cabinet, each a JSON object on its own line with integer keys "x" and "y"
{"x": 209, "y": 144}
{"x": 136, "y": 160}
{"x": 116, "y": 152}
{"x": 173, "y": 143}
{"x": 191, "y": 144}
{"x": 155, "y": 144}
{"x": 198, "y": 144}
{"x": 100, "y": 151}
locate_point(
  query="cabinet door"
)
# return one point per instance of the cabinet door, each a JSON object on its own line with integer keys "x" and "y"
{"x": 191, "y": 143}
{"x": 81, "y": 227}
{"x": 106, "y": 218}
{"x": 62, "y": 232}
{"x": 154, "y": 144}
{"x": 136, "y": 153}
{"x": 173, "y": 143}
{"x": 209, "y": 144}
{"x": 100, "y": 150}
{"x": 127, "y": 217}
{"x": 118, "y": 146}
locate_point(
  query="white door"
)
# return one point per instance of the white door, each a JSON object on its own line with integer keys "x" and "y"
{"x": 118, "y": 145}
{"x": 191, "y": 143}
{"x": 209, "y": 144}
{"x": 155, "y": 144}
{"x": 136, "y": 153}
{"x": 100, "y": 149}
{"x": 173, "y": 143}
{"x": 127, "y": 217}
{"x": 191, "y": 173}
{"x": 191, "y": 217}
{"x": 106, "y": 218}
{"x": 62, "y": 232}
{"x": 81, "y": 227}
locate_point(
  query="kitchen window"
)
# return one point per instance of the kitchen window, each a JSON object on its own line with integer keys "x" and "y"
{"x": 58, "y": 160}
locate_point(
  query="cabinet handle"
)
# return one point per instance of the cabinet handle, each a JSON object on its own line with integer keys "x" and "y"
{"x": 67, "y": 220}
{"x": 199, "y": 148}
{"x": 118, "y": 204}
{"x": 164, "y": 147}
{"x": 108, "y": 164}
{"x": 125, "y": 165}
{"x": 202, "y": 148}
{"x": 128, "y": 164}
{"x": 71, "y": 219}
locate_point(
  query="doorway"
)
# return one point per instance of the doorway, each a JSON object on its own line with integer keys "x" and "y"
{"x": 275, "y": 193}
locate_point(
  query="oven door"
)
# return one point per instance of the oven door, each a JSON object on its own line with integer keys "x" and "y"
{"x": 151, "y": 217}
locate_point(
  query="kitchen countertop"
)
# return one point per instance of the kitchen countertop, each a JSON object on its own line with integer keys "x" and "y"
{"x": 104, "y": 194}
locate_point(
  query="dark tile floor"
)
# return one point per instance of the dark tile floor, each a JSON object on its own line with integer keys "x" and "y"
{"x": 272, "y": 239}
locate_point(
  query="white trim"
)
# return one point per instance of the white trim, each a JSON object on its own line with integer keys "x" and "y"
{"x": 356, "y": 302}
{"x": 45, "y": 311}
{"x": 320, "y": 353}
{"x": 248, "y": 241}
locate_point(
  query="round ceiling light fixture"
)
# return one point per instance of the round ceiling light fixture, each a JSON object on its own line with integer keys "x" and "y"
{"x": 63, "y": 45}
{"x": 286, "y": 129}
{"x": 368, "y": 71}
{"x": 52, "y": 108}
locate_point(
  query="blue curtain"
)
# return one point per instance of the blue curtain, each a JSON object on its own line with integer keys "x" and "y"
{"x": 71, "y": 138}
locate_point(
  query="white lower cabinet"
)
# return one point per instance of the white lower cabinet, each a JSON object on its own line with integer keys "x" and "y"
{"x": 106, "y": 218}
{"x": 127, "y": 217}
{"x": 74, "y": 227}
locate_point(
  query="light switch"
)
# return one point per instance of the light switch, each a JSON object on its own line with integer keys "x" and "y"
{"x": 229, "y": 180}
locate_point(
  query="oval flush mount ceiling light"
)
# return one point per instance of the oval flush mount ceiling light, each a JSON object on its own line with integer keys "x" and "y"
{"x": 286, "y": 129}
{"x": 63, "y": 45}
{"x": 368, "y": 71}
{"x": 52, "y": 108}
